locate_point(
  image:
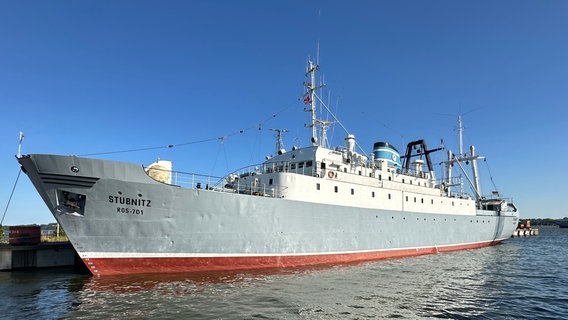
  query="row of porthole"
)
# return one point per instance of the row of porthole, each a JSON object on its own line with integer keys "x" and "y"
{"x": 434, "y": 219}
{"x": 336, "y": 190}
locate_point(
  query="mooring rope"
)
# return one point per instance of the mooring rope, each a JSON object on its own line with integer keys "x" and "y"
{"x": 10, "y": 199}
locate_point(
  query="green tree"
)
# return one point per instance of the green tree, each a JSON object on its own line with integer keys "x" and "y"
{"x": 1, "y": 232}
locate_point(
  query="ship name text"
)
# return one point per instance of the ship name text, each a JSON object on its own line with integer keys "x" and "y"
{"x": 130, "y": 201}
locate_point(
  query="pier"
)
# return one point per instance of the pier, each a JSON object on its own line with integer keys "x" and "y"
{"x": 41, "y": 255}
{"x": 525, "y": 230}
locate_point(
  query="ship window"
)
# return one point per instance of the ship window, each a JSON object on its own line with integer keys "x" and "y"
{"x": 432, "y": 201}
{"x": 414, "y": 199}
{"x": 359, "y": 172}
{"x": 317, "y": 186}
{"x": 452, "y": 203}
{"x": 352, "y": 191}
{"x": 390, "y": 179}
{"x": 336, "y": 189}
{"x": 402, "y": 180}
{"x": 344, "y": 169}
{"x": 373, "y": 194}
{"x": 422, "y": 200}
{"x": 389, "y": 196}
{"x": 407, "y": 198}
{"x": 419, "y": 183}
{"x": 380, "y": 177}
{"x": 308, "y": 163}
{"x": 292, "y": 166}
{"x": 410, "y": 181}
{"x": 270, "y": 181}
{"x": 300, "y": 165}
{"x": 323, "y": 165}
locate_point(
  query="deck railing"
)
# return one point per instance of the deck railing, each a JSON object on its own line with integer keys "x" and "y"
{"x": 231, "y": 183}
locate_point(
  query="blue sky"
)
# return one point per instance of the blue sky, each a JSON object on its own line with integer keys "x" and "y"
{"x": 85, "y": 77}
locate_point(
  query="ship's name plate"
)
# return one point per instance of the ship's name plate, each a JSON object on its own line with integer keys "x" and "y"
{"x": 125, "y": 201}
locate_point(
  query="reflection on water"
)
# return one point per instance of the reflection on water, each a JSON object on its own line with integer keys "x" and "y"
{"x": 522, "y": 278}
{"x": 41, "y": 294}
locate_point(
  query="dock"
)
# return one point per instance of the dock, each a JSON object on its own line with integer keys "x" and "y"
{"x": 524, "y": 229}
{"x": 41, "y": 255}
{"x": 525, "y": 232}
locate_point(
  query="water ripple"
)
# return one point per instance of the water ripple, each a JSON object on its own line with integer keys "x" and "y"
{"x": 522, "y": 278}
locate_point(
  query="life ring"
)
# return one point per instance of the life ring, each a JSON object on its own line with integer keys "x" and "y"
{"x": 330, "y": 174}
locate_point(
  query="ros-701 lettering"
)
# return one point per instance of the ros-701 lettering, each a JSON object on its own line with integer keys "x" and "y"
{"x": 129, "y": 210}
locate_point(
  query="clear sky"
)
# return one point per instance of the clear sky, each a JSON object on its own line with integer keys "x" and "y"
{"x": 84, "y": 77}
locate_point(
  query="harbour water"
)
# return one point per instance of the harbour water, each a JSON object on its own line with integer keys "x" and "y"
{"x": 523, "y": 278}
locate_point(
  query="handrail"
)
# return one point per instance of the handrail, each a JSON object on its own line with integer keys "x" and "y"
{"x": 222, "y": 184}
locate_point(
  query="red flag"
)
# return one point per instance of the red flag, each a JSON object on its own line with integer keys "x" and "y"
{"x": 307, "y": 100}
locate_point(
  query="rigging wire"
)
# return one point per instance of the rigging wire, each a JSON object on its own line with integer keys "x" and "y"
{"x": 226, "y": 159}
{"x": 337, "y": 120}
{"x": 490, "y": 175}
{"x": 222, "y": 138}
{"x": 255, "y": 148}
{"x": 221, "y": 145}
{"x": 10, "y": 199}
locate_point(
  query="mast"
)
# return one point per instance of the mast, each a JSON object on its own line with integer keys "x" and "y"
{"x": 20, "y": 144}
{"x": 474, "y": 171}
{"x": 460, "y": 129}
{"x": 310, "y": 96}
{"x": 462, "y": 157}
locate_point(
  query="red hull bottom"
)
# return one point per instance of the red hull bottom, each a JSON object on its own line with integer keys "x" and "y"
{"x": 117, "y": 266}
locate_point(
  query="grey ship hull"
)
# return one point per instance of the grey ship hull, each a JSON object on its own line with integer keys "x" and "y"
{"x": 122, "y": 221}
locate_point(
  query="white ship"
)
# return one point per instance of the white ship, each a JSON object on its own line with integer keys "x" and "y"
{"x": 307, "y": 206}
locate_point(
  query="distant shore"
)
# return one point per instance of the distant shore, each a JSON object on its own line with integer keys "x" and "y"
{"x": 547, "y": 221}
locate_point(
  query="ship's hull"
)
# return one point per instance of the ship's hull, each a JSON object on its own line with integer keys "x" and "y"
{"x": 125, "y": 222}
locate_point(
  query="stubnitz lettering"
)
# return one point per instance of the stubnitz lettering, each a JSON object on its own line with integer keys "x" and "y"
{"x": 130, "y": 201}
